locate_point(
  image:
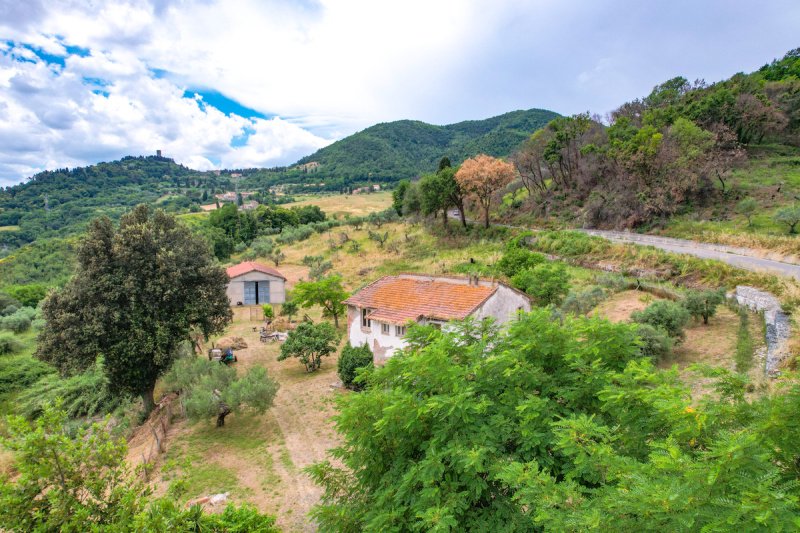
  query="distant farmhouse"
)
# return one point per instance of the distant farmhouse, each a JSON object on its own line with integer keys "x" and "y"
{"x": 308, "y": 167}
{"x": 378, "y": 314}
{"x": 252, "y": 283}
{"x": 230, "y": 196}
{"x": 367, "y": 189}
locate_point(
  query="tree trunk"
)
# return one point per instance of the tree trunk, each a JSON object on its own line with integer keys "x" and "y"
{"x": 223, "y": 411}
{"x": 444, "y": 217}
{"x": 486, "y": 217}
{"x": 463, "y": 216}
{"x": 336, "y": 320}
{"x": 147, "y": 399}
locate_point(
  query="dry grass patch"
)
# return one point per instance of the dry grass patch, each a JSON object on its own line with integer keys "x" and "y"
{"x": 620, "y": 306}
{"x": 340, "y": 205}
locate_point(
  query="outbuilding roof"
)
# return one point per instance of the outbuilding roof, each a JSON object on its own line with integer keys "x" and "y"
{"x": 250, "y": 266}
{"x": 398, "y": 299}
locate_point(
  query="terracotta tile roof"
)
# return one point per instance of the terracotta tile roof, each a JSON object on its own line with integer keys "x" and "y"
{"x": 398, "y": 299}
{"x": 250, "y": 266}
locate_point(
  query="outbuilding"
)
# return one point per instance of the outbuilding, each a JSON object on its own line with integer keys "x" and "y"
{"x": 253, "y": 283}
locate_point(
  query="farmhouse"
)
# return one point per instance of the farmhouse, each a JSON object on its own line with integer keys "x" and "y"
{"x": 252, "y": 283}
{"x": 379, "y": 313}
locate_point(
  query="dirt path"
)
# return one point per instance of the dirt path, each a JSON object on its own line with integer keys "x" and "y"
{"x": 744, "y": 258}
{"x": 258, "y": 459}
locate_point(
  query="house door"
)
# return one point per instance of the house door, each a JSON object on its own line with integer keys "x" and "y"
{"x": 262, "y": 292}
{"x": 250, "y": 294}
{"x": 256, "y": 292}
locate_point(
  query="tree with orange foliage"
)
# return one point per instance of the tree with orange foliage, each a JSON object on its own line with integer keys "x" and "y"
{"x": 481, "y": 176}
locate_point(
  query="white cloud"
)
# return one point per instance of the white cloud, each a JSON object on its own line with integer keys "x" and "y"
{"x": 327, "y": 68}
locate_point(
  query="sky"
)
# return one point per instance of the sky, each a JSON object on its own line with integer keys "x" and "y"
{"x": 255, "y": 83}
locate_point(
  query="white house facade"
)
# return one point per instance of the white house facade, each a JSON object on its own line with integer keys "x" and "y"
{"x": 379, "y": 314}
{"x": 253, "y": 283}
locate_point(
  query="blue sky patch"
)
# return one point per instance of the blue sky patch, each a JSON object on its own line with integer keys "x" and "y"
{"x": 241, "y": 140}
{"x": 221, "y": 102}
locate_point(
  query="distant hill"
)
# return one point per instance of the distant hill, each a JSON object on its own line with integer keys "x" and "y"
{"x": 58, "y": 202}
{"x": 392, "y": 151}
{"x": 61, "y": 202}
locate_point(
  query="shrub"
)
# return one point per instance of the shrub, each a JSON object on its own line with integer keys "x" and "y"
{"x": 6, "y": 300}
{"x": 28, "y": 295}
{"x": 9, "y": 310}
{"x": 581, "y": 303}
{"x": 269, "y": 313}
{"x": 547, "y": 283}
{"x": 352, "y": 359}
{"x": 19, "y": 321}
{"x": 517, "y": 259}
{"x": 569, "y": 243}
{"x": 9, "y": 343}
{"x": 655, "y": 343}
{"x": 703, "y": 304}
{"x": 669, "y": 316}
{"x": 790, "y": 216}
{"x": 21, "y": 371}
{"x": 82, "y": 395}
{"x": 289, "y": 309}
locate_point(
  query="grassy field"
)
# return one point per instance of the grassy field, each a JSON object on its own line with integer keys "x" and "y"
{"x": 340, "y": 205}
{"x": 9, "y": 228}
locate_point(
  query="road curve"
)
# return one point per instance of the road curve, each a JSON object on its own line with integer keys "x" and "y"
{"x": 743, "y": 258}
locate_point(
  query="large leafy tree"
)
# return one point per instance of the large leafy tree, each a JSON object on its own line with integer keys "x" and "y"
{"x": 481, "y": 177}
{"x": 326, "y": 292}
{"x": 557, "y": 425}
{"x": 138, "y": 291}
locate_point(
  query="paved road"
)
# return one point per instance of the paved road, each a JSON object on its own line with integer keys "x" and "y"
{"x": 744, "y": 258}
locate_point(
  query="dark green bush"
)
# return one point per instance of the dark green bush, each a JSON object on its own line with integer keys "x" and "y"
{"x": 667, "y": 315}
{"x": 19, "y": 321}
{"x": 9, "y": 343}
{"x": 21, "y": 371}
{"x": 655, "y": 343}
{"x": 515, "y": 260}
{"x": 351, "y": 359}
{"x": 547, "y": 283}
{"x": 83, "y": 395}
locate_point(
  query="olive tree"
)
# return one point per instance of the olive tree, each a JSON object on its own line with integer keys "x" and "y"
{"x": 209, "y": 388}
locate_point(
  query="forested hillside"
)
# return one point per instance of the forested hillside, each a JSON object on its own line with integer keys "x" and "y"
{"x": 407, "y": 148}
{"x": 62, "y": 201}
{"x": 671, "y": 152}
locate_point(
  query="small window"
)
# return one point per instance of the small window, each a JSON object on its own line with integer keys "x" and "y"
{"x": 365, "y": 322}
{"x": 400, "y": 331}
{"x": 385, "y": 328}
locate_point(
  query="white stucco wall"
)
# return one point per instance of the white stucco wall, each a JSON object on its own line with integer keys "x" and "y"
{"x": 503, "y": 305}
{"x": 383, "y": 346}
{"x": 277, "y": 287}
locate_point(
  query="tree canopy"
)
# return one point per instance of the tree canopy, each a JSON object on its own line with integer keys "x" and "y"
{"x": 556, "y": 425}
{"x": 138, "y": 291}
